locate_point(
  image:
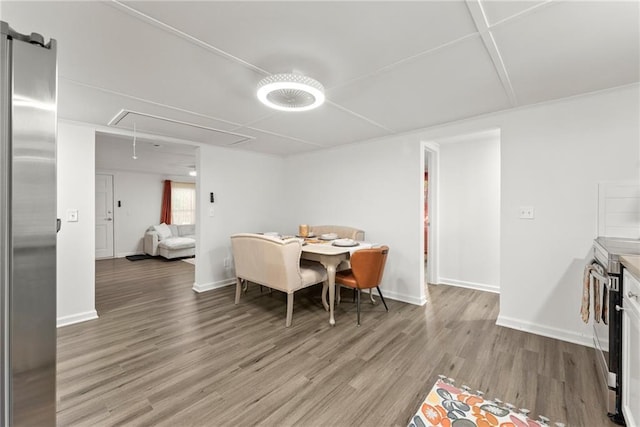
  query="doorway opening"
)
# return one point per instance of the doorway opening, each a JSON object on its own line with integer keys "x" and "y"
{"x": 130, "y": 182}
{"x": 429, "y": 216}
{"x": 129, "y": 187}
{"x": 467, "y": 182}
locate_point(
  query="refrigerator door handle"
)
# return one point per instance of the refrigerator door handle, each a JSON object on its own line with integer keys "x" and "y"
{"x": 58, "y": 224}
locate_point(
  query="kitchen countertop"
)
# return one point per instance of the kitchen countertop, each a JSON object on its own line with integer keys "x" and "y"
{"x": 632, "y": 263}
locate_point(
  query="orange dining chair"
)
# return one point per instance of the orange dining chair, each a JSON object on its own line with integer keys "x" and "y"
{"x": 367, "y": 267}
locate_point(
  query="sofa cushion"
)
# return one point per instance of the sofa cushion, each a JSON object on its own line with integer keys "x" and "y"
{"x": 312, "y": 273}
{"x": 175, "y": 232}
{"x": 186, "y": 230}
{"x": 175, "y": 243}
{"x": 163, "y": 231}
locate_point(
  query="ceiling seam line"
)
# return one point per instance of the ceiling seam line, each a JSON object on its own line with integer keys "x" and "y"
{"x": 168, "y": 28}
{"x": 147, "y": 101}
{"x": 360, "y": 116}
{"x": 303, "y": 141}
{"x": 259, "y": 119}
{"x": 522, "y": 13}
{"x": 387, "y": 67}
{"x": 505, "y": 80}
{"x": 480, "y": 20}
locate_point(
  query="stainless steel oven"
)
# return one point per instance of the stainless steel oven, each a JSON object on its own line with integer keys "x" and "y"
{"x": 607, "y": 336}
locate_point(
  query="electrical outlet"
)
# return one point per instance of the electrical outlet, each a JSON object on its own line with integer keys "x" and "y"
{"x": 527, "y": 212}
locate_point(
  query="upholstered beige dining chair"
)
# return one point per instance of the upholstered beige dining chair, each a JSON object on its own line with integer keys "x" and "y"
{"x": 342, "y": 231}
{"x": 275, "y": 263}
{"x": 367, "y": 268}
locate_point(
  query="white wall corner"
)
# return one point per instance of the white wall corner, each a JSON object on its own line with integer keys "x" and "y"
{"x": 470, "y": 285}
{"x": 199, "y": 288}
{"x": 547, "y": 331}
{"x": 76, "y": 318}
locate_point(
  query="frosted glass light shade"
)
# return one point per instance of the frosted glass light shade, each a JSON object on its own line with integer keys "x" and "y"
{"x": 290, "y": 92}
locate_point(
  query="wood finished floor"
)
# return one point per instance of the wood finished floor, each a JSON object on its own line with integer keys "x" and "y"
{"x": 161, "y": 354}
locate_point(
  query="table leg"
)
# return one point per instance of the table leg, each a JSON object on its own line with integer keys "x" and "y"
{"x": 331, "y": 275}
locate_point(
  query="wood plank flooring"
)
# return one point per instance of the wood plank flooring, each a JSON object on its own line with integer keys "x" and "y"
{"x": 161, "y": 354}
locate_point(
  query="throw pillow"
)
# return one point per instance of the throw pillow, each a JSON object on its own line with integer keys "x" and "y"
{"x": 163, "y": 230}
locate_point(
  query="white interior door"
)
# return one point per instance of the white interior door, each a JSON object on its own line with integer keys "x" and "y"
{"x": 104, "y": 216}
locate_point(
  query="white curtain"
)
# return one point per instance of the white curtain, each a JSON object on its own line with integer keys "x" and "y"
{"x": 183, "y": 203}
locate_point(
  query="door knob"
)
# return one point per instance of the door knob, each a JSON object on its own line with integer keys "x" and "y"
{"x": 632, "y": 295}
{"x": 618, "y": 308}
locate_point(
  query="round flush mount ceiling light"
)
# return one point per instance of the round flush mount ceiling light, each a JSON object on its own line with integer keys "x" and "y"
{"x": 290, "y": 92}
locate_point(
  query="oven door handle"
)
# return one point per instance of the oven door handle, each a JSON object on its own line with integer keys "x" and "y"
{"x": 611, "y": 283}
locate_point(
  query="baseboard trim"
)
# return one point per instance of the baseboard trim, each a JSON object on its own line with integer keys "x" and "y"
{"x": 124, "y": 254}
{"x": 401, "y": 297}
{"x": 199, "y": 288}
{"x": 470, "y": 285}
{"x": 76, "y": 318}
{"x": 547, "y": 331}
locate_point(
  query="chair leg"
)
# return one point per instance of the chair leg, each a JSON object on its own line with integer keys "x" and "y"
{"x": 382, "y": 298}
{"x": 358, "y": 306}
{"x": 354, "y": 294}
{"x": 238, "y": 289}
{"x": 289, "y": 309}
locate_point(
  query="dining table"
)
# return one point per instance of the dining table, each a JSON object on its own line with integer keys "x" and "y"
{"x": 330, "y": 255}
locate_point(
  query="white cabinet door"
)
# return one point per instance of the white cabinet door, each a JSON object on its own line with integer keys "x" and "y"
{"x": 631, "y": 350}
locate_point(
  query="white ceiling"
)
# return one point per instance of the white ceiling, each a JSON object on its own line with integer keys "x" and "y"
{"x": 388, "y": 67}
{"x": 115, "y": 153}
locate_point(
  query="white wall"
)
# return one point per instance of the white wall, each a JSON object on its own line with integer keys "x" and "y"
{"x": 552, "y": 157}
{"x": 140, "y": 195}
{"x": 249, "y": 197}
{"x": 469, "y": 208}
{"x": 76, "y": 240}
{"x": 249, "y": 189}
{"x": 373, "y": 186}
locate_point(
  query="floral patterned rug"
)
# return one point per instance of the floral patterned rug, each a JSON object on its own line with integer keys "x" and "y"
{"x": 449, "y": 406}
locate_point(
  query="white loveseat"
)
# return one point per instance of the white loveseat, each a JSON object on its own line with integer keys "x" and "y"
{"x": 170, "y": 240}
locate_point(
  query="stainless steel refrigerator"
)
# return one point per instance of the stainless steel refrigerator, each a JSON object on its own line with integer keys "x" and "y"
{"x": 28, "y": 226}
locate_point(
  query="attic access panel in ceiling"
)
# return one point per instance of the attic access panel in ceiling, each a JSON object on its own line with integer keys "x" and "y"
{"x": 164, "y": 126}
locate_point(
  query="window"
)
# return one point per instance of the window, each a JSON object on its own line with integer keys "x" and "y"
{"x": 183, "y": 203}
